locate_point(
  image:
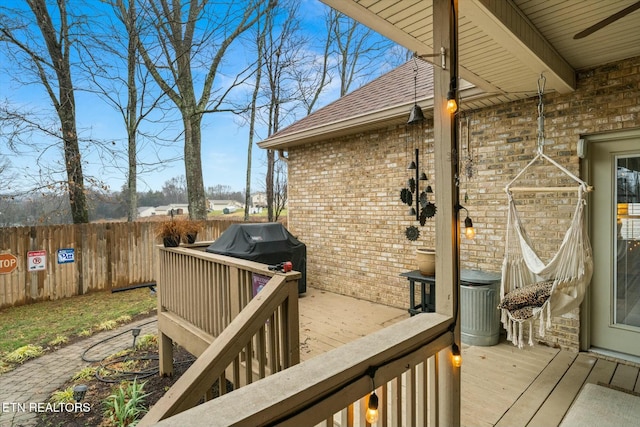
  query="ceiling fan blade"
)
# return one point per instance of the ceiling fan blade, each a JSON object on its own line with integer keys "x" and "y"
{"x": 592, "y": 29}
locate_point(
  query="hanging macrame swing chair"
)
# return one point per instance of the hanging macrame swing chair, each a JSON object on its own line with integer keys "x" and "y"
{"x": 530, "y": 288}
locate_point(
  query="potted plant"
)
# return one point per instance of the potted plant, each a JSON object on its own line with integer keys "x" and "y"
{"x": 170, "y": 232}
{"x": 425, "y": 258}
{"x": 190, "y": 229}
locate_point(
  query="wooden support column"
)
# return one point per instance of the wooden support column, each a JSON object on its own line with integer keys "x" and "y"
{"x": 445, "y": 29}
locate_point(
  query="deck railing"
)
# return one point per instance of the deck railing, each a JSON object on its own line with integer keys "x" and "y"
{"x": 209, "y": 305}
{"x": 401, "y": 361}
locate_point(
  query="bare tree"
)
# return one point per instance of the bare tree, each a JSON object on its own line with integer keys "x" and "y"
{"x": 48, "y": 54}
{"x": 188, "y": 41}
{"x": 118, "y": 76}
{"x": 313, "y": 79}
{"x": 358, "y": 50}
{"x": 283, "y": 51}
{"x": 350, "y": 52}
{"x": 175, "y": 189}
{"x": 260, "y": 40}
{"x": 280, "y": 184}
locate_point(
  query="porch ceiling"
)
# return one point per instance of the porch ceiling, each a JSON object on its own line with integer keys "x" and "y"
{"x": 504, "y": 45}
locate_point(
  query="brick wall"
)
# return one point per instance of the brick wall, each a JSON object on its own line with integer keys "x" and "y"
{"x": 344, "y": 194}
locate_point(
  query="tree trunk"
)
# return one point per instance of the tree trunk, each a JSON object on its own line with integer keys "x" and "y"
{"x": 132, "y": 117}
{"x": 269, "y": 183}
{"x": 58, "y": 48}
{"x": 193, "y": 167}
{"x": 75, "y": 178}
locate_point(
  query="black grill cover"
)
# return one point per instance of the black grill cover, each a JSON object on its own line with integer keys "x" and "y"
{"x": 267, "y": 243}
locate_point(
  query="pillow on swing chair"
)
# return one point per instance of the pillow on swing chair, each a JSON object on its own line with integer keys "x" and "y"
{"x": 523, "y": 313}
{"x": 527, "y": 296}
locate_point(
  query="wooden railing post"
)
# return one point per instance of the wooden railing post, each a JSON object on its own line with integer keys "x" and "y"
{"x": 165, "y": 353}
{"x": 445, "y": 29}
{"x": 292, "y": 333}
{"x": 235, "y": 296}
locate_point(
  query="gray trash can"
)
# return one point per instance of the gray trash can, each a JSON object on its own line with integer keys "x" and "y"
{"x": 479, "y": 315}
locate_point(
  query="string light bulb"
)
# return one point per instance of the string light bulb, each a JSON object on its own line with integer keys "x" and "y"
{"x": 469, "y": 231}
{"x": 452, "y": 104}
{"x": 456, "y": 357}
{"x": 372, "y": 408}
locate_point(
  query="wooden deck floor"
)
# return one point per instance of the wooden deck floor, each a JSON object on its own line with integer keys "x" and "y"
{"x": 505, "y": 386}
{"x": 501, "y": 385}
{"x": 328, "y": 320}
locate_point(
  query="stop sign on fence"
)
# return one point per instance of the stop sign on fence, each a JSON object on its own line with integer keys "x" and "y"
{"x": 8, "y": 263}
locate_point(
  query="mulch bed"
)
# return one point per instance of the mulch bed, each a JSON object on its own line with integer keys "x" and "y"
{"x": 98, "y": 390}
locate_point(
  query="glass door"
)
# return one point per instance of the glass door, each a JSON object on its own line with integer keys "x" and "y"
{"x": 627, "y": 265}
{"x": 615, "y": 236}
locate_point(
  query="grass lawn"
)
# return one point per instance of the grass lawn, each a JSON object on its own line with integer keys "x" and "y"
{"x": 52, "y": 323}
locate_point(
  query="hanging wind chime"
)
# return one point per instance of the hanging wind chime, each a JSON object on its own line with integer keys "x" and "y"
{"x": 423, "y": 208}
{"x": 427, "y": 208}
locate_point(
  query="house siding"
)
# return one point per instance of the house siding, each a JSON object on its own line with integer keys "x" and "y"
{"x": 344, "y": 194}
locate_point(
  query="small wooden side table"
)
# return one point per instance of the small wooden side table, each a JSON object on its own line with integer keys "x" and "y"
{"x": 427, "y": 299}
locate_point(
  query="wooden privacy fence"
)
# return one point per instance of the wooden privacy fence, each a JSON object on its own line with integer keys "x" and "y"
{"x": 61, "y": 261}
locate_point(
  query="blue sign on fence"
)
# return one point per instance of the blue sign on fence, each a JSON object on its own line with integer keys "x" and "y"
{"x": 66, "y": 255}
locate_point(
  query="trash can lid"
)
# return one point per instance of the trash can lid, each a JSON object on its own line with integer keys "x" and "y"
{"x": 478, "y": 277}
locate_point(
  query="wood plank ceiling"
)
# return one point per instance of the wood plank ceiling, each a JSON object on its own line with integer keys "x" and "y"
{"x": 506, "y": 44}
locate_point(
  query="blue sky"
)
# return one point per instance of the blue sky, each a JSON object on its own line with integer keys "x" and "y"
{"x": 224, "y": 135}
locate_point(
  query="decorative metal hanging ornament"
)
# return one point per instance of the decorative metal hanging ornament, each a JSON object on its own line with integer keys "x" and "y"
{"x": 411, "y": 183}
{"x": 469, "y": 165}
{"x": 412, "y": 233}
{"x": 430, "y": 210}
{"x": 469, "y": 161}
{"x": 427, "y": 208}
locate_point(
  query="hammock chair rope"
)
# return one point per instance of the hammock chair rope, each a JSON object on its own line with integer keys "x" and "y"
{"x": 532, "y": 290}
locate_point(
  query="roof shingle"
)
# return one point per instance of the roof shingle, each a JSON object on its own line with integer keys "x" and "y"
{"x": 391, "y": 89}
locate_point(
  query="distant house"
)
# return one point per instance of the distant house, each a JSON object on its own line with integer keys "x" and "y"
{"x": 146, "y": 211}
{"x": 177, "y": 208}
{"x": 218, "y": 205}
{"x": 259, "y": 200}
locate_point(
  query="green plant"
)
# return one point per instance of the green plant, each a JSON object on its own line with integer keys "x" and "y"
{"x": 60, "y": 339}
{"x": 125, "y": 318}
{"x": 107, "y": 325}
{"x": 62, "y": 396}
{"x": 119, "y": 354}
{"x": 24, "y": 353}
{"x": 147, "y": 342}
{"x": 126, "y": 404}
{"x": 85, "y": 373}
